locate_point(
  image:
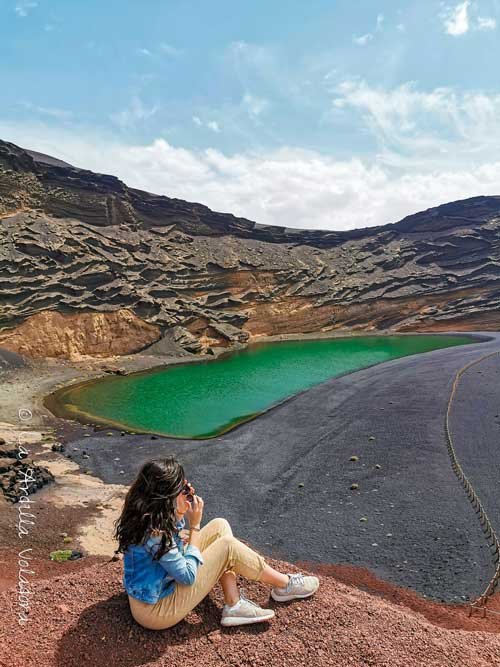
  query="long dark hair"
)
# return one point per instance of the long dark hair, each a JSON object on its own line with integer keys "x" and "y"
{"x": 150, "y": 505}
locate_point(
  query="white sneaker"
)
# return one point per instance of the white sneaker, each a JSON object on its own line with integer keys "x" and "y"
{"x": 244, "y": 611}
{"x": 299, "y": 586}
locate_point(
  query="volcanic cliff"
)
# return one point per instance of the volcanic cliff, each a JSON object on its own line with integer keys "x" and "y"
{"x": 91, "y": 266}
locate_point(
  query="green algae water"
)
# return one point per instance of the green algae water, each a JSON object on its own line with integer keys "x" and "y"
{"x": 203, "y": 399}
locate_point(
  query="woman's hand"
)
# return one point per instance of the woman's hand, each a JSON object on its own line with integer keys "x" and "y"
{"x": 195, "y": 511}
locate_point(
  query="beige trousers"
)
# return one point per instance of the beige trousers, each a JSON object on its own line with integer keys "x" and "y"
{"x": 221, "y": 552}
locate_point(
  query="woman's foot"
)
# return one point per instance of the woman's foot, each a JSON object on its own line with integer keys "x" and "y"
{"x": 299, "y": 586}
{"x": 244, "y": 611}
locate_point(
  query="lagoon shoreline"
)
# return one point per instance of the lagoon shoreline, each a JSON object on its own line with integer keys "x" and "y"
{"x": 55, "y": 404}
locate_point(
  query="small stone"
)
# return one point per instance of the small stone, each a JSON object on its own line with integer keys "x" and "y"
{"x": 377, "y": 466}
{"x": 67, "y": 539}
{"x": 372, "y": 437}
{"x": 354, "y": 486}
{"x": 109, "y": 433}
{"x": 388, "y": 534}
{"x": 301, "y": 484}
{"x": 363, "y": 518}
{"x": 122, "y": 472}
{"x": 354, "y": 458}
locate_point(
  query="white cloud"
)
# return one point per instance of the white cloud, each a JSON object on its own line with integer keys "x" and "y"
{"x": 23, "y": 8}
{"x": 363, "y": 40}
{"x": 163, "y": 49}
{"x": 53, "y": 112}
{"x": 289, "y": 187}
{"x": 486, "y": 23}
{"x": 211, "y": 124}
{"x": 439, "y": 127}
{"x": 254, "y": 105}
{"x": 134, "y": 114}
{"x": 456, "y": 19}
{"x": 432, "y": 146}
{"x": 170, "y": 50}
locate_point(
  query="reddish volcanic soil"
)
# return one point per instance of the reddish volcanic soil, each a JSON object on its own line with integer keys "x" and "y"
{"x": 451, "y": 616}
{"x": 80, "y": 614}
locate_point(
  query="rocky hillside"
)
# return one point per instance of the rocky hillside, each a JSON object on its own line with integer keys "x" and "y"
{"x": 91, "y": 266}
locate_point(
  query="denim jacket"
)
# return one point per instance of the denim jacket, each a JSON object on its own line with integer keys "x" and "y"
{"x": 150, "y": 580}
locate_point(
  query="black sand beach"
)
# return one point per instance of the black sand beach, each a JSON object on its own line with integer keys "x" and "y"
{"x": 420, "y": 530}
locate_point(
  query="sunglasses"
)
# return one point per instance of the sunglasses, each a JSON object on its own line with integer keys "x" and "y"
{"x": 188, "y": 490}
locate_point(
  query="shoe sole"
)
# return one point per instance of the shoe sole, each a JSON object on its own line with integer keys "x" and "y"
{"x": 285, "y": 598}
{"x": 241, "y": 620}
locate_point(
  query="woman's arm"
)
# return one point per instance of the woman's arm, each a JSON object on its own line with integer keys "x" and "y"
{"x": 194, "y": 536}
{"x": 182, "y": 568}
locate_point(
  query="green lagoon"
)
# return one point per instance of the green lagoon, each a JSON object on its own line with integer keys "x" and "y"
{"x": 203, "y": 399}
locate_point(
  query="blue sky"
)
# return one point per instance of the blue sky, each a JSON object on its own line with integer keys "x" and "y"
{"x": 304, "y": 114}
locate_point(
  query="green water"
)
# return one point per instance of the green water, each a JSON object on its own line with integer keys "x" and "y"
{"x": 205, "y": 398}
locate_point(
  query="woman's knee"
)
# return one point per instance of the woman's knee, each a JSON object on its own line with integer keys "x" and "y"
{"x": 227, "y": 543}
{"x": 222, "y": 526}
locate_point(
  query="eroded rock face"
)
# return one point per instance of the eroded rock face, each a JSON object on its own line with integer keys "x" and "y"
{"x": 53, "y": 334}
{"x": 90, "y": 266}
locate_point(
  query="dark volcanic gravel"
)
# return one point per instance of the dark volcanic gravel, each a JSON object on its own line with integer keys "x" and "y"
{"x": 420, "y": 530}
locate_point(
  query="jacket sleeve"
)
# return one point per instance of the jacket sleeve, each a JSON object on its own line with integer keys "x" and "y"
{"x": 182, "y": 567}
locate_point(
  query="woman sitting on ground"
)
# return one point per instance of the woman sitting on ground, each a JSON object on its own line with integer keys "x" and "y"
{"x": 165, "y": 579}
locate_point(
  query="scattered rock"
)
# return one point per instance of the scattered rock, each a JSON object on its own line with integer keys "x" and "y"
{"x": 19, "y": 478}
